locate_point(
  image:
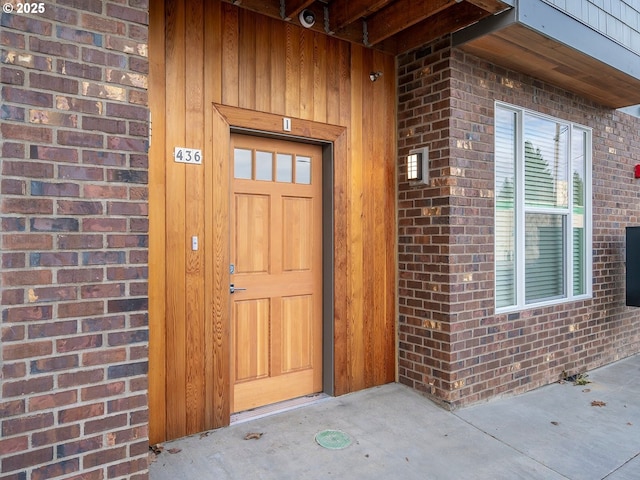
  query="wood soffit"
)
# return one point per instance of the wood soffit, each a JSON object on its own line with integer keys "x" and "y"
{"x": 392, "y": 26}
{"x": 524, "y": 50}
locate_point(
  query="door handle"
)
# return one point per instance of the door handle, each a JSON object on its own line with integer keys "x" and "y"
{"x": 233, "y": 288}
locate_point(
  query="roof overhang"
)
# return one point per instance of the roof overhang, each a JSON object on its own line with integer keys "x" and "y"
{"x": 544, "y": 42}
{"x": 390, "y": 26}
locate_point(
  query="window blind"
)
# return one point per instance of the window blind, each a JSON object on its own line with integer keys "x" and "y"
{"x": 544, "y": 256}
{"x": 505, "y": 227}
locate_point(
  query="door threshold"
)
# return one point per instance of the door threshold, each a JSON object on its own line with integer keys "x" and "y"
{"x": 279, "y": 407}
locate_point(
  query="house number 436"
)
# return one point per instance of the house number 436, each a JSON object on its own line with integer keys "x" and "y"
{"x": 188, "y": 155}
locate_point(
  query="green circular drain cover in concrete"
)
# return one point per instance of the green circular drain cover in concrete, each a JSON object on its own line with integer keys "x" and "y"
{"x": 333, "y": 439}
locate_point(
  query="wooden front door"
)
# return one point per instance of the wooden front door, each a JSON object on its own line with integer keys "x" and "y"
{"x": 276, "y": 256}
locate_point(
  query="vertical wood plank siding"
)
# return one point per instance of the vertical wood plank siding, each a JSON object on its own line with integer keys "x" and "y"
{"x": 206, "y": 53}
{"x": 157, "y": 225}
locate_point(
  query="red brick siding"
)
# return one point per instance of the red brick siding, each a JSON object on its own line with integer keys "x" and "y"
{"x": 74, "y": 333}
{"x": 452, "y": 345}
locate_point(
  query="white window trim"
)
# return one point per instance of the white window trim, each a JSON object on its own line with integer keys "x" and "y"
{"x": 521, "y": 210}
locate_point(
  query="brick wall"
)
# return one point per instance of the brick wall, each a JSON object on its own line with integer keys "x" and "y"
{"x": 452, "y": 345}
{"x": 74, "y": 241}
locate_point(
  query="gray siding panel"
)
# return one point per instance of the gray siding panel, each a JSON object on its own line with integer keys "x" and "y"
{"x": 617, "y": 19}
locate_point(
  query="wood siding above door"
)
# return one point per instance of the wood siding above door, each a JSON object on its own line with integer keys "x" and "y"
{"x": 205, "y": 53}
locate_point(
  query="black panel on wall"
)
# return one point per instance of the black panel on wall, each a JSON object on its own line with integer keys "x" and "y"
{"x": 633, "y": 266}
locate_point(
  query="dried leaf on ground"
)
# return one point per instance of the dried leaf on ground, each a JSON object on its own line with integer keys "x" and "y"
{"x": 555, "y": 423}
{"x": 204, "y": 434}
{"x": 174, "y": 450}
{"x": 586, "y": 390}
{"x": 598, "y": 403}
{"x": 253, "y": 436}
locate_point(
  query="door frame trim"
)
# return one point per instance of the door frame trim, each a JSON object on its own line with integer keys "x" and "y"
{"x": 334, "y": 157}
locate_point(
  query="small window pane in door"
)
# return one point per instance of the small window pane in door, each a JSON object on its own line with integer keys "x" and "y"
{"x": 242, "y": 163}
{"x": 284, "y": 167}
{"x": 303, "y": 170}
{"x": 264, "y": 166}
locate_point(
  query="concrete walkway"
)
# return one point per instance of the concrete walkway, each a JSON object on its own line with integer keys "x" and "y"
{"x": 551, "y": 433}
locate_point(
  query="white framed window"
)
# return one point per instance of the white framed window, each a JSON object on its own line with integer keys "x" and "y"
{"x": 542, "y": 209}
